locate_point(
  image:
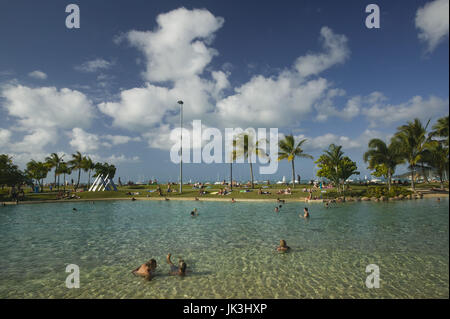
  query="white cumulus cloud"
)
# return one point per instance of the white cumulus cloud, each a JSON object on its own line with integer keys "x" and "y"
{"x": 432, "y": 20}
{"x": 336, "y": 52}
{"x": 47, "y": 107}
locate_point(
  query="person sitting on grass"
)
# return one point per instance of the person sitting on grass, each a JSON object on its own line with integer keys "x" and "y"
{"x": 174, "y": 270}
{"x": 283, "y": 246}
{"x": 260, "y": 192}
{"x": 146, "y": 270}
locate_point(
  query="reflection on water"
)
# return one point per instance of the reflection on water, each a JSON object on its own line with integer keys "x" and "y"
{"x": 229, "y": 249}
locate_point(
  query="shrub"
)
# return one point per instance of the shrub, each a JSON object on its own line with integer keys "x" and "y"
{"x": 380, "y": 191}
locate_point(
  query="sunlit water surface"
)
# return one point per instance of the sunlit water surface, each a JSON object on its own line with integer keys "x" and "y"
{"x": 229, "y": 249}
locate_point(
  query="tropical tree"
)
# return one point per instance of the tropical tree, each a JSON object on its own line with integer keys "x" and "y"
{"x": 232, "y": 157}
{"x": 383, "y": 158}
{"x": 413, "y": 141}
{"x": 347, "y": 169}
{"x": 245, "y": 146}
{"x": 64, "y": 169}
{"x": 9, "y": 172}
{"x": 438, "y": 160}
{"x": 53, "y": 161}
{"x": 37, "y": 171}
{"x": 105, "y": 169}
{"x": 289, "y": 150}
{"x": 88, "y": 166}
{"x": 77, "y": 164}
{"x": 441, "y": 129}
{"x": 336, "y": 167}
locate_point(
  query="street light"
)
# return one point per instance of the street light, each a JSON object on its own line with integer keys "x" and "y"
{"x": 181, "y": 145}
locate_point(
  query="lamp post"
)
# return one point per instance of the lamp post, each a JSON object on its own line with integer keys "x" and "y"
{"x": 181, "y": 145}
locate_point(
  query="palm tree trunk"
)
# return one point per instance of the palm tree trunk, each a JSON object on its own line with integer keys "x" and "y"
{"x": 412, "y": 179}
{"x": 343, "y": 190}
{"x": 55, "y": 178}
{"x": 441, "y": 181}
{"x": 58, "y": 182}
{"x": 89, "y": 178}
{"x": 251, "y": 174}
{"x": 78, "y": 181}
{"x": 231, "y": 176}
{"x": 389, "y": 179}
{"x": 293, "y": 174}
{"x": 64, "y": 182}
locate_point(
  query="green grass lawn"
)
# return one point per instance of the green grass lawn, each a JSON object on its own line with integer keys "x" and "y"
{"x": 189, "y": 192}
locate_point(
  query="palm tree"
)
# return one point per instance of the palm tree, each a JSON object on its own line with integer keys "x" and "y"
{"x": 441, "y": 129}
{"x": 244, "y": 146}
{"x": 335, "y": 166}
{"x": 53, "y": 161}
{"x": 64, "y": 169}
{"x": 88, "y": 166}
{"x": 77, "y": 164}
{"x": 38, "y": 171}
{"x": 289, "y": 151}
{"x": 387, "y": 155}
{"x": 438, "y": 159}
{"x": 232, "y": 155}
{"x": 413, "y": 141}
{"x": 333, "y": 157}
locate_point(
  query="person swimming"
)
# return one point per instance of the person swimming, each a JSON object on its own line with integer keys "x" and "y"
{"x": 283, "y": 246}
{"x": 233, "y": 200}
{"x": 174, "y": 270}
{"x": 146, "y": 270}
{"x": 74, "y": 209}
{"x": 326, "y": 204}
{"x": 276, "y": 209}
{"x": 306, "y": 213}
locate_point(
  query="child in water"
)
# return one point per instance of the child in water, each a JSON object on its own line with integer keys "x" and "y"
{"x": 306, "y": 213}
{"x": 174, "y": 270}
{"x": 283, "y": 246}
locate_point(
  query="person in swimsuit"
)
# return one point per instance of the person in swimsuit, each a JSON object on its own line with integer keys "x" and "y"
{"x": 174, "y": 270}
{"x": 283, "y": 246}
{"x": 146, "y": 270}
{"x": 306, "y": 213}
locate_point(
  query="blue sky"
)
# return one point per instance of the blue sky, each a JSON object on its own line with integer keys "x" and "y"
{"x": 311, "y": 68}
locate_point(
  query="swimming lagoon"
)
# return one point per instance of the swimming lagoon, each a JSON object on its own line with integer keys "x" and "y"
{"x": 229, "y": 249}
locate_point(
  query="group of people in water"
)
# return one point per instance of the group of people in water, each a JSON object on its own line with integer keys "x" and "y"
{"x": 148, "y": 269}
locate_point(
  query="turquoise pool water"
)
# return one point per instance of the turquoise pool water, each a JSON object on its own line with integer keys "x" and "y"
{"x": 229, "y": 249}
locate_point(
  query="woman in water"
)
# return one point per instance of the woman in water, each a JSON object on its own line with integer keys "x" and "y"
{"x": 283, "y": 246}
{"x": 146, "y": 270}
